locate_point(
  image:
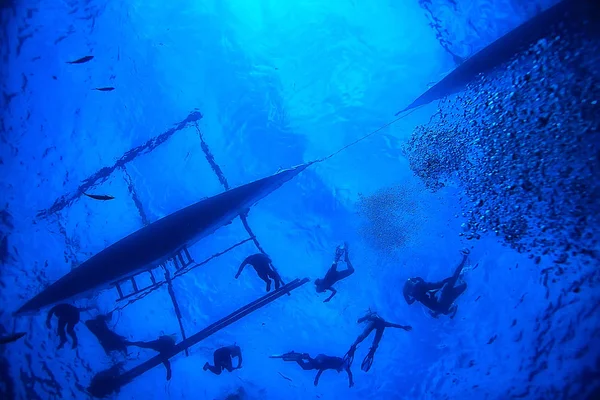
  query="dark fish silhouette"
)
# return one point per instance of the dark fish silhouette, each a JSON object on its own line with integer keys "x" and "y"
{"x": 105, "y": 89}
{"x": 11, "y": 338}
{"x": 81, "y": 60}
{"x": 103, "y": 197}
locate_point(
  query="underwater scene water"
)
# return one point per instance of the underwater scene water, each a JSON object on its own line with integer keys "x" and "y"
{"x": 234, "y": 199}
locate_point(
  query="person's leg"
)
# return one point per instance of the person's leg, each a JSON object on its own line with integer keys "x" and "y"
{"x": 264, "y": 275}
{"x": 228, "y": 364}
{"x": 452, "y": 280}
{"x": 167, "y": 364}
{"x": 61, "y": 332}
{"x": 363, "y": 335}
{"x": 449, "y": 295}
{"x": 71, "y": 332}
{"x": 377, "y": 339}
{"x": 216, "y": 369}
{"x": 276, "y": 278}
{"x": 368, "y": 360}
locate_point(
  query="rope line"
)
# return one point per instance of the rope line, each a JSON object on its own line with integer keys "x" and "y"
{"x": 360, "y": 139}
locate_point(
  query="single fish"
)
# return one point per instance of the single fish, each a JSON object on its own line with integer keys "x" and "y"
{"x": 81, "y": 60}
{"x": 102, "y": 197}
{"x": 11, "y": 338}
{"x": 105, "y": 89}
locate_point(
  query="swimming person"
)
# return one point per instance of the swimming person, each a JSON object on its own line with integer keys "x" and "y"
{"x": 109, "y": 340}
{"x": 68, "y": 316}
{"x": 439, "y": 297}
{"x": 264, "y": 268}
{"x": 321, "y": 363}
{"x": 162, "y": 345}
{"x": 13, "y": 337}
{"x": 333, "y": 275}
{"x": 375, "y": 322}
{"x": 223, "y": 359}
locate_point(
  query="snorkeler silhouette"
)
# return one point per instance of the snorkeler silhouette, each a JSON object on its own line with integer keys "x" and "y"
{"x": 263, "y": 267}
{"x": 222, "y": 359}
{"x": 68, "y": 316}
{"x": 13, "y": 337}
{"x": 109, "y": 340}
{"x": 321, "y": 362}
{"x": 375, "y": 322}
{"x": 333, "y": 275}
{"x": 162, "y": 345}
{"x": 439, "y": 297}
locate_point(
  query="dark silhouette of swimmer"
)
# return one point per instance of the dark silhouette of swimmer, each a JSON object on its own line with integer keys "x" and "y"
{"x": 68, "y": 317}
{"x": 333, "y": 275}
{"x": 222, "y": 359}
{"x": 439, "y": 297}
{"x": 13, "y": 337}
{"x": 263, "y": 267}
{"x": 106, "y": 382}
{"x": 321, "y": 363}
{"x": 162, "y": 345}
{"x": 375, "y": 322}
{"x": 109, "y": 340}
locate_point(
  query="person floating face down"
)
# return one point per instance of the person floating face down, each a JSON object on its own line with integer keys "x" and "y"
{"x": 374, "y": 322}
{"x": 109, "y": 340}
{"x": 333, "y": 275}
{"x": 222, "y": 359}
{"x": 12, "y": 337}
{"x": 68, "y": 316}
{"x": 321, "y": 363}
{"x": 439, "y": 297}
{"x": 264, "y": 268}
{"x": 163, "y": 345}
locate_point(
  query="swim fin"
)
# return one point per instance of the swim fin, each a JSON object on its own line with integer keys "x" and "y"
{"x": 349, "y": 357}
{"x": 368, "y": 361}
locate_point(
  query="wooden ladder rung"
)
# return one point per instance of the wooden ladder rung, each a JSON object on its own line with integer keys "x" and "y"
{"x": 134, "y": 283}
{"x": 119, "y": 290}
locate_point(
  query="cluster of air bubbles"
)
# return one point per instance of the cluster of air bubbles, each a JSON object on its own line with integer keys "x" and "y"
{"x": 523, "y": 143}
{"x": 391, "y": 217}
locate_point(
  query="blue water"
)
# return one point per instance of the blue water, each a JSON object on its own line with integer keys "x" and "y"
{"x": 276, "y": 84}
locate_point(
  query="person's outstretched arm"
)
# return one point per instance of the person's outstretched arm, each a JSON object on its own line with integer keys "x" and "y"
{"x": 333, "y": 292}
{"x": 405, "y": 327}
{"x": 244, "y": 263}
{"x": 318, "y": 376}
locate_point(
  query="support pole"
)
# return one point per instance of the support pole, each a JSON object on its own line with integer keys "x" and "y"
{"x": 175, "y": 305}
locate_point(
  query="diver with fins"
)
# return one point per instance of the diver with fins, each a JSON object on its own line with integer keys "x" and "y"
{"x": 375, "y": 322}
{"x": 439, "y": 297}
{"x": 333, "y": 275}
{"x": 321, "y": 363}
